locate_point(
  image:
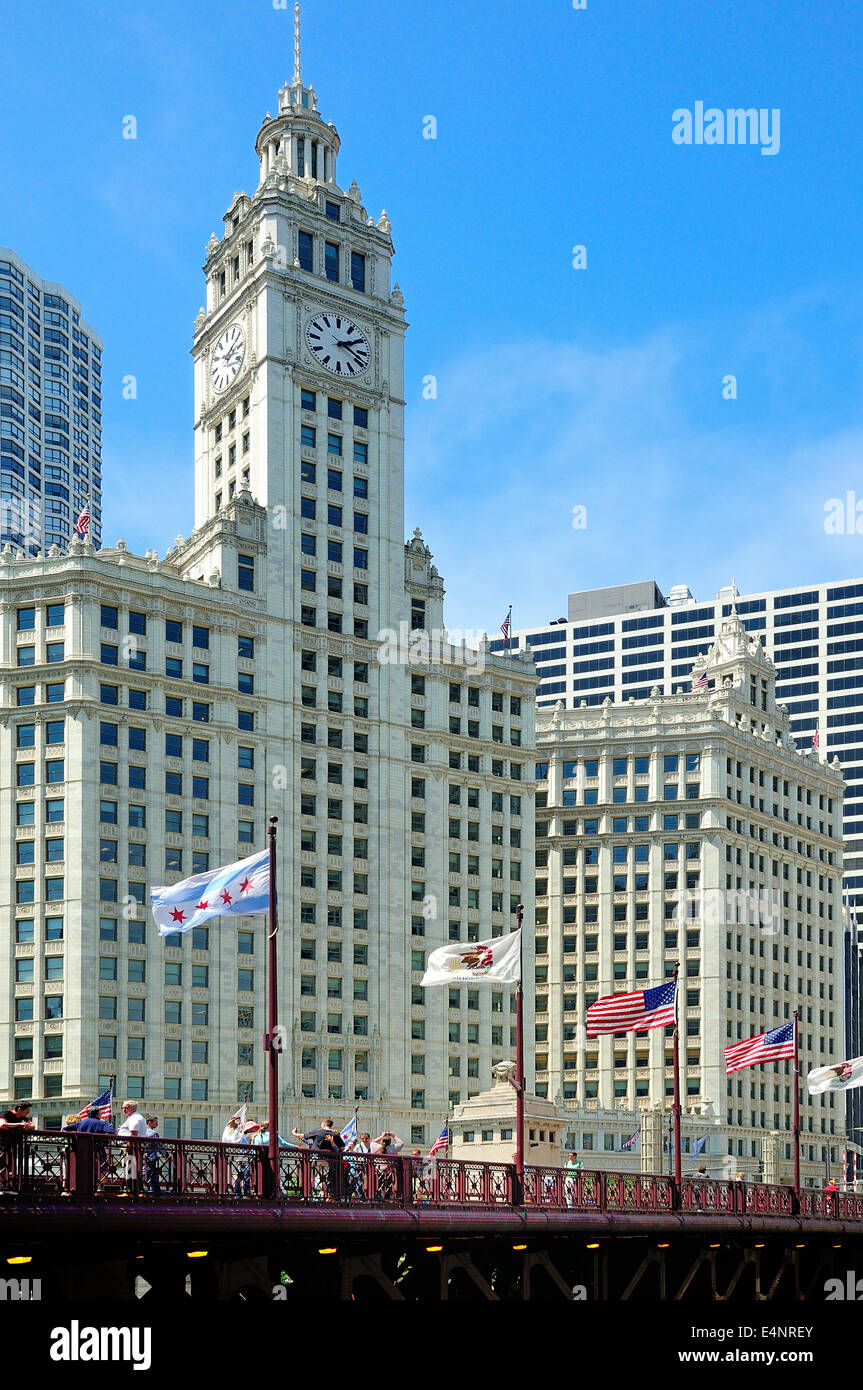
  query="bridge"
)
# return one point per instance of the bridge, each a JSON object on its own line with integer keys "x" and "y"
{"x": 95, "y": 1216}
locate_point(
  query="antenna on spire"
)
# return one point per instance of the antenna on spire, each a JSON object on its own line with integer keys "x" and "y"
{"x": 297, "y": 75}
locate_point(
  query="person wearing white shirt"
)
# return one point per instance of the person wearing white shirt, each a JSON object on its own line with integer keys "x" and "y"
{"x": 133, "y": 1121}
{"x": 134, "y": 1126}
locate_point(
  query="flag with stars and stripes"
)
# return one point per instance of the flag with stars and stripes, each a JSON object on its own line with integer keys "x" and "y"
{"x": 441, "y": 1144}
{"x": 103, "y": 1102}
{"x": 772, "y": 1046}
{"x": 235, "y": 890}
{"x": 628, "y": 1143}
{"x": 699, "y": 682}
{"x": 505, "y": 625}
{"x": 82, "y": 525}
{"x": 632, "y": 1013}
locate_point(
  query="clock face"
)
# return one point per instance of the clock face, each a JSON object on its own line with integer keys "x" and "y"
{"x": 227, "y": 357}
{"x": 338, "y": 344}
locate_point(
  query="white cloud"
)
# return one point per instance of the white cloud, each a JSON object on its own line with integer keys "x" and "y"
{"x": 678, "y": 486}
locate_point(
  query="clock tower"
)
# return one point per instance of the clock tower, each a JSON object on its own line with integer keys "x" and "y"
{"x": 366, "y": 726}
{"x": 299, "y": 379}
{"x": 299, "y": 477}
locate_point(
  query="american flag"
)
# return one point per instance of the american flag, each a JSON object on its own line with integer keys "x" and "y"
{"x": 628, "y": 1143}
{"x": 103, "y": 1102}
{"x": 815, "y": 739}
{"x": 627, "y": 1013}
{"x": 766, "y": 1047}
{"x": 505, "y": 625}
{"x": 699, "y": 682}
{"x": 442, "y": 1141}
{"x": 82, "y": 525}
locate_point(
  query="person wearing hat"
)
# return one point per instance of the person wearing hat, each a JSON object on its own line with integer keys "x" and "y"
{"x": 152, "y": 1156}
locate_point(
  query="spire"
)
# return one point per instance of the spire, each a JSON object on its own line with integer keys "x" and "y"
{"x": 296, "y": 142}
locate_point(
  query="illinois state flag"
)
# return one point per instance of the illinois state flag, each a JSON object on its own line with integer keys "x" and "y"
{"x": 841, "y": 1076}
{"x": 497, "y": 959}
{"x": 235, "y": 890}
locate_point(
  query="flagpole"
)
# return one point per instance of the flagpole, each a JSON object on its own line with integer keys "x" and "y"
{"x": 519, "y": 1048}
{"x": 675, "y": 1109}
{"x": 796, "y": 1129}
{"x": 273, "y": 1070}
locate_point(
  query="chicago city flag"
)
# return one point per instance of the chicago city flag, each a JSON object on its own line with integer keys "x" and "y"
{"x": 497, "y": 959}
{"x": 235, "y": 890}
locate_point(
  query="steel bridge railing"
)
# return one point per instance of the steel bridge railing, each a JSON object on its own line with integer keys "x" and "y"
{"x": 44, "y": 1167}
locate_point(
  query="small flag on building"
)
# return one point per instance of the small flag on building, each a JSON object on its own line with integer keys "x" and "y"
{"x": 498, "y": 959}
{"x": 235, "y": 890}
{"x": 102, "y": 1102}
{"x": 699, "y": 682}
{"x": 815, "y": 739}
{"x": 82, "y": 525}
{"x": 699, "y": 1147}
{"x": 628, "y": 1143}
{"x": 506, "y": 624}
{"x": 628, "y": 1013}
{"x": 842, "y": 1076}
{"x": 441, "y": 1143}
{"x": 772, "y": 1046}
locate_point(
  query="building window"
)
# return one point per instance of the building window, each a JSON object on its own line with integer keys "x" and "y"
{"x": 246, "y": 572}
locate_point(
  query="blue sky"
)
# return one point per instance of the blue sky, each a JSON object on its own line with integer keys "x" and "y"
{"x": 557, "y": 387}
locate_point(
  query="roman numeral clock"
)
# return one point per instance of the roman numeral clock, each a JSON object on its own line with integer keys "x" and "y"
{"x": 337, "y": 344}
{"x": 227, "y": 358}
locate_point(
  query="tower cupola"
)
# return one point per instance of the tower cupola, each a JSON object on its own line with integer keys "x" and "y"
{"x": 296, "y": 140}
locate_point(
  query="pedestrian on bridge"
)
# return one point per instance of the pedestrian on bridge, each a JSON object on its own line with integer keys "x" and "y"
{"x": 327, "y": 1143}
{"x": 13, "y": 1123}
{"x": 572, "y": 1168}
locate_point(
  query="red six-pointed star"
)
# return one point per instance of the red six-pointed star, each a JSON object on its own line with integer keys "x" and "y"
{"x": 201, "y": 905}
{"x": 177, "y": 915}
{"x": 226, "y": 897}
{"x": 245, "y": 885}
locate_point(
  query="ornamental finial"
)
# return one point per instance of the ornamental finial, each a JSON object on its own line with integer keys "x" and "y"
{"x": 297, "y": 76}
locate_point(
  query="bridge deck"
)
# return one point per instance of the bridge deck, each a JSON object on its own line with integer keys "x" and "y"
{"x": 62, "y": 1184}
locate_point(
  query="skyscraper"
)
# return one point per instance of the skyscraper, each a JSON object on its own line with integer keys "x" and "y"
{"x": 51, "y": 430}
{"x": 688, "y": 828}
{"x": 289, "y": 657}
{"x": 621, "y": 642}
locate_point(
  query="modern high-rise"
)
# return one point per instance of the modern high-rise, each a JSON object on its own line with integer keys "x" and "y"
{"x": 288, "y": 658}
{"x": 689, "y": 828}
{"x": 622, "y": 641}
{"x": 51, "y": 427}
